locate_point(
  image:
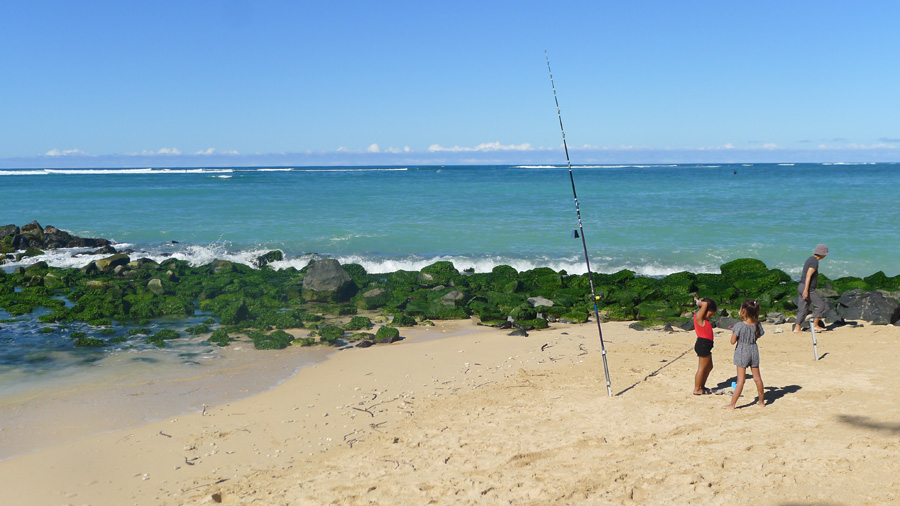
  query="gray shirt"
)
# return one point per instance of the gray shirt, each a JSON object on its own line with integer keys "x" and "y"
{"x": 811, "y": 263}
{"x": 747, "y": 334}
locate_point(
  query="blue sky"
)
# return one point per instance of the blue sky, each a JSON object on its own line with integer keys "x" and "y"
{"x": 380, "y": 83}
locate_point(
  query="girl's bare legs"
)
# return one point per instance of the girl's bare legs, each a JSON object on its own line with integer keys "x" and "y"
{"x": 741, "y": 376}
{"x": 757, "y": 378}
{"x": 704, "y": 367}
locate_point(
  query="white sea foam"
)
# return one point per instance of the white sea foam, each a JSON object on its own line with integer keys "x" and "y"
{"x": 373, "y": 169}
{"x": 21, "y": 172}
{"x": 274, "y": 170}
{"x": 106, "y": 172}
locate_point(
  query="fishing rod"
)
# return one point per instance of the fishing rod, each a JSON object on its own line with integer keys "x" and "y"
{"x": 587, "y": 261}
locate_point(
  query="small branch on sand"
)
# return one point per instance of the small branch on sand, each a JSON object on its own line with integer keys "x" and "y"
{"x": 161, "y": 433}
{"x": 545, "y": 346}
{"x": 365, "y": 411}
{"x": 220, "y": 480}
{"x": 398, "y": 462}
{"x": 583, "y": 351}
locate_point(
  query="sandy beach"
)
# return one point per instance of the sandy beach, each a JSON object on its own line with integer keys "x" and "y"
{"x": 480, "y": 417}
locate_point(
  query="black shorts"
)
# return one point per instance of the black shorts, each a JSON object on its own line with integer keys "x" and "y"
{"x": 703, "y": 347}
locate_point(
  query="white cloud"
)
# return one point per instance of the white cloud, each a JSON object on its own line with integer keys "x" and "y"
{"x": 878, "y": 145}
{"x": 373, "y": 148}
{"x": 485, "y": 146}
{"x": 169, "y": 151}
{"x": 66, "y": 152}
{"x": 207, "y": 151}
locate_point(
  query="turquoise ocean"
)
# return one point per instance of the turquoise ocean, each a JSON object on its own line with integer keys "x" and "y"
{"x": 652, "y": 219}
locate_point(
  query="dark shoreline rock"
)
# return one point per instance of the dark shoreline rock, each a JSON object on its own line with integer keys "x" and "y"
{"x": 33, "y": 235}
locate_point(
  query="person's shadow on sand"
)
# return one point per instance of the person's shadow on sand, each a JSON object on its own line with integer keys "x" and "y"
{"x": 771, "y": 395}
{"x": 867, "y": 423}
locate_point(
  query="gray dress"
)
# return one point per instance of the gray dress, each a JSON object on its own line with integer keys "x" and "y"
{"x": 746, "y": 352}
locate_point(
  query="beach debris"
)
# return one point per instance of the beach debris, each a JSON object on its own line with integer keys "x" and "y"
{"x": 365, "y": 411}
{"x": 161, "y": 433}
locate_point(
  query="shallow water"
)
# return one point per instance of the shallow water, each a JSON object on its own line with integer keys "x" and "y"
{"x": 122, "y": 389}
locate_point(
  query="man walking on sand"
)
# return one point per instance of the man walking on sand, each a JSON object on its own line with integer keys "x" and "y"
{"x": 808, "y": 296}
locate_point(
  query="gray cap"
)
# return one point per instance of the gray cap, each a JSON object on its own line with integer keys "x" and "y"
{"x": 821, "y": 250}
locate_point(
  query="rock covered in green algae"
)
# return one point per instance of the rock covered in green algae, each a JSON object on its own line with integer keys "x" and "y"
{"x": 387, "y": 335}
{"x": 276, "y": 340}
{"x": 359, "y": 323}
{"x": 220, "y": 337}
{"x": 245, "y": 298}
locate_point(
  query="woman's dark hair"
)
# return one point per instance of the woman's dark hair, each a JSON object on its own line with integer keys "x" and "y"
{"x": 710, "y": 305}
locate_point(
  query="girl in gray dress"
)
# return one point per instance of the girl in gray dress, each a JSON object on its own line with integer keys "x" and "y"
{"x": 746, "y": 352}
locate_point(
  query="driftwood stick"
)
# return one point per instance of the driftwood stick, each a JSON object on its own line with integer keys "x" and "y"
{"x": 365, "y": 411}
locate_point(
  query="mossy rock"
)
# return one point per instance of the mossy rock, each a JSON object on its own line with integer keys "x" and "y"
{"x": 438, "y": 273}
{"x": 574, "y": 317}
{"x": 200, "y": 328}
{"x": 234, "y": 314}
{"x": 743, "y": 267}
{"x": 619, "y": 313}
{"x": 537, "y": 323}
{"x": 330, "y": 333}
{"x": 275, "y": 341}
{"x": 374, "y": 298}
{"x": 444, "y": 312}
{"x": 505, "y": 302}
{"x": 656, "y": 309}
{"x": 407, "y": 280}
{"x": 622, "y": 298}
{"x": 387, "y": 334}
{"x": 541, "y": 279}
{"x": 523, "y": 312}
{"x": 159, "y": 339}
{"x": 676, "y": 286}
{"x": 845, "y": 284}
{"x": 620, "y": 278}
{"x": 220, "y": 337}
{"x": 484, "y": 310}
{"x": 360, "y": 336}
{"x": 403, "y": 320}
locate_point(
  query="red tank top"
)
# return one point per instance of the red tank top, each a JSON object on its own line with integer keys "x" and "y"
{"x": 704, "y": 332}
